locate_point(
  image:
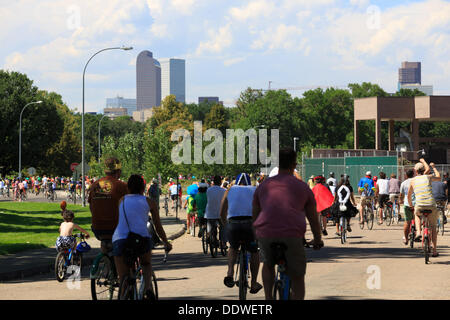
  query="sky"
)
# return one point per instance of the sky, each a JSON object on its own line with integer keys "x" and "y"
{"x": 228, "y": 45}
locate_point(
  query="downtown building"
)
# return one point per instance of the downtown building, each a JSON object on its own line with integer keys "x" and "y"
{"x": 173, "y": 78}
{"x": 120, "y": 102}
{"x": 148, "y": 85}
{"x": 410, "y": 77}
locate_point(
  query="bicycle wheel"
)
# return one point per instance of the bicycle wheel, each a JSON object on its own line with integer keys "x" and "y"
{"x": 370, "y": 217}
{"x": 127, "y": 288}
{"x": 166, "y": 207}
{"x": 193, "y": 222}
{"x": 278, "y": 290}
{"x": 361, "y": 225}
{"x": 104, "y": 281}
{"x": 388, "y": 215}
{"x": 223, "y": 244}
{"x": 60, "y": 268}
{"x": 243, "y": 281}
{"x": 213, "y": 242}
{"x": 411, "y": 237}
{"x": 205, "y": 242}
{"x": 342, "y": 230}
{"x": 426, "y": 249}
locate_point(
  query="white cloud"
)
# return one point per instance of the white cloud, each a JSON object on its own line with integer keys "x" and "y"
{"x": 219, "y": 40}
{"x": 253, "y": 10}
{"x": 229, "y": 62}
{"x": 282, "y": 37}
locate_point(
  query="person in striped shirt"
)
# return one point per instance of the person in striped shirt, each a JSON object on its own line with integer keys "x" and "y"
{"x": 421, "y": 187}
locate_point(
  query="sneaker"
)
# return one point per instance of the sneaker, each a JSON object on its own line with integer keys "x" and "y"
{"x": 325, "y": 233}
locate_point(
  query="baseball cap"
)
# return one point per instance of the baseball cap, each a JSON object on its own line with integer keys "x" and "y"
{"x": 112, "y": 165}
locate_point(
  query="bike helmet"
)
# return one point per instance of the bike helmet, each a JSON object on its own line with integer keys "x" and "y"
{"x": 192, "y": 190}
{"x": 243, "y": 177}
{"x": 83, "y": 246}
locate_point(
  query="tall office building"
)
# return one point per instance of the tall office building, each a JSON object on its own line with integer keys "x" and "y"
{"x": 148, "y": 81}
{"x": 173, "y": 78}
{"x": 120, "y": 102}
{"x": 410, "y": 72}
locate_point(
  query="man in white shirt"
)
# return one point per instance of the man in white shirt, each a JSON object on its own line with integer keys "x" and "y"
{"x": 332, "y": 179}
{"x": 214, "y": 196}
{"x": 173, "y": 189}
{"x": 383, "y": 193}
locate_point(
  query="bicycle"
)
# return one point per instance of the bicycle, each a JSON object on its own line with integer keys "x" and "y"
{"x": 132, "y": 285}
{"x": 442, "y": 219}
{"x": 387, "y": 213}
{"x": 104, "y": 279}
{"x": 427, "y": 234}
{"x": 343, "y": 229}
{"x": 282, "y": 286}
{"x": 412, "y": 231}
{"x": 215, "y": 244}
{"x": 166, "y": 205}
{"x": 205, "y": 240}
{"x": 368, "y": 215}
{"x": 70, "y": 260}
{"x": 242, "y": 273}
{"x": 193, "y": 220}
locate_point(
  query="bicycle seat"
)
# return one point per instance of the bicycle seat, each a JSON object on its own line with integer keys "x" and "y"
{"x": 426, "y": 212}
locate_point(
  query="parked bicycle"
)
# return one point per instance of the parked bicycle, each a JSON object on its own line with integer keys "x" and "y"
{"x": 68, "y": 261}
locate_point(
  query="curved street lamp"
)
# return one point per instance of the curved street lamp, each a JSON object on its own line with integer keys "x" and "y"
{"x": 82, "y": 122}
{"x": 20, "y": 136}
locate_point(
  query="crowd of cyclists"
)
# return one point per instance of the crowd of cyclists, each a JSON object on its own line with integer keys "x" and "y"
{"x": 255, "y": 211}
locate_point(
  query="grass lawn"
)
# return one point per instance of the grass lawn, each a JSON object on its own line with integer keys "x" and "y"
{"x": 31, "y": 225}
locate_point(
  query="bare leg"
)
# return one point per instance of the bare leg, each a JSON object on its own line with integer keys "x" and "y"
{"x": 298, "y": 288}
{"x": 268, "y": 276}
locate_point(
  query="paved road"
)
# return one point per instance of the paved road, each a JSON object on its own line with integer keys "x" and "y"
{"x": 336, "y": 271}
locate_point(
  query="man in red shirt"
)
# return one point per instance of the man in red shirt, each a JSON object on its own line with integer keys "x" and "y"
{"x": 281, "y": 205}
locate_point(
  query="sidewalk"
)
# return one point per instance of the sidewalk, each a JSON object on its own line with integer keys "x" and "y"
{"x": 32, "y": 262}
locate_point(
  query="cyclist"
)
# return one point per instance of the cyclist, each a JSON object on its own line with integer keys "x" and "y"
{"x": 173, "y": 194}
{"x": 134, "y": 209}
{"x": 200, "y": 203}
{"x": 344, "y": 195}
{"x": 324, "y": 200}
{"x": 440, "y": 194}
{"x": 214, "y": 196}
{"x": 192, "y": 190}
{"x": 409, "y": 214}
{"x": 331, "y": 179}
{"x": 103, "y": 199}
{"x": 281, "y": 205}
{"x": 236, "y": 208}
{"x": 154, "y": 191}
{"x": 365, "y": 189}
{"x": 394, "y": 191}
{"x": 382, "y": 191}
{"x": 421, "y": 186}
{"x": 66, "y": 240}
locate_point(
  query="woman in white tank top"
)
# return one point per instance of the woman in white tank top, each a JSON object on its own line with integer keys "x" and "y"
{"x": 134, "y": 210}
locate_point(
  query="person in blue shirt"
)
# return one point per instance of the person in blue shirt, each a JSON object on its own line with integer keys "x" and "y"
{"x": 365, "y": 189}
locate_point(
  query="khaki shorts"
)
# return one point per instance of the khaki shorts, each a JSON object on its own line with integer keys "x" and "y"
{"x": 295, "y": 254}
{"x": 432, "y": 218}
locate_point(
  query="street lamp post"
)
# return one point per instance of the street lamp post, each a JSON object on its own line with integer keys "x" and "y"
{"x": 20, "y": 136}
{"x": 99, "y": 147}
{"x": 82, "y": 123}
{"x": 295, "y": 144}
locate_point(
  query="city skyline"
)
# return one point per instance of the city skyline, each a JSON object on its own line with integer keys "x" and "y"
{"x": 229, "y": 46}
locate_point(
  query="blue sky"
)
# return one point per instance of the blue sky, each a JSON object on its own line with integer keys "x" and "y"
{"x": 228, "y": 45}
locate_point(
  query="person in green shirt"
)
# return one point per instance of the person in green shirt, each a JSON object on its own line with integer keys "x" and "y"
{"x": 200, "y": 202}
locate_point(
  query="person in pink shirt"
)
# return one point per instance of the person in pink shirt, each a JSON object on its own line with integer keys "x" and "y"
{"x": 281, "y": 205}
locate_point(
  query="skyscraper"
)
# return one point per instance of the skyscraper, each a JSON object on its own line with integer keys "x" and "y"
{"x": 173, "y": 78}
{"x": 410, "y": 72}
{"x": 148, "y": 81}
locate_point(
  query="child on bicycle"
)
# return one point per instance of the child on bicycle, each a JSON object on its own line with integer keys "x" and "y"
{"x": 192, "y": 190}
{"x": 200, "y": 202}
{"x": 66, "y": 240}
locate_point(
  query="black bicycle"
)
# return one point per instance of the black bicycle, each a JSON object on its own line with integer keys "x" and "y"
{"x": 104, "y": 280}
{"x": 216, "y": 244}
{"x": 242, "y": 275}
